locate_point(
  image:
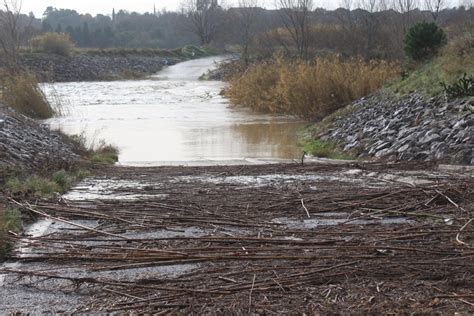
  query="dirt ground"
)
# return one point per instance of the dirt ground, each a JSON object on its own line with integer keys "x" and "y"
{"x": 272, "y": 239}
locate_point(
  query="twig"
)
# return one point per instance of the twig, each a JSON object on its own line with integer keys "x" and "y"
{"x": 250, "y": 295}
{"x": 307, "y": 212}
{"x": 460, "y": 231}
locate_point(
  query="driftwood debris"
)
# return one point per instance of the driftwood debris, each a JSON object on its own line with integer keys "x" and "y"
{"x": 319, "y": 239}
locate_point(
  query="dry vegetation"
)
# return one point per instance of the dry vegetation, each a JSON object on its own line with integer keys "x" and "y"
{"x": 311, "y": 90}
{"x": 21, "y": 92}
{"x": 54, "y": 43}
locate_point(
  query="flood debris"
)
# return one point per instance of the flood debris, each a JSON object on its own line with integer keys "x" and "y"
{"x": 326, "y": 244}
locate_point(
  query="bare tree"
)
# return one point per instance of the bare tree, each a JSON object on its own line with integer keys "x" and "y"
{"x": 435, "y": 6}
{"x": 371, "y": 7}
{"x": 245, "y": 26}
{"x": 204, "y": 18}
{"x": 10, "y": 34}
{"x": 295, "y": 18}
{"x": 406, "y": 7}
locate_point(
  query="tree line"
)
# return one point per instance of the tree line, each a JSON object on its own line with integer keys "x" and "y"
{"x": 370, "y": 28}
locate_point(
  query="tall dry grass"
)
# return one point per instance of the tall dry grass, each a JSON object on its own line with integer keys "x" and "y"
{"x": 311, "y": 90}
{"x": 21, "y": 92}
{"x": 53, "y": 43}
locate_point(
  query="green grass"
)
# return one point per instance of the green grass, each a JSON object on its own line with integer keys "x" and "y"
{"x": 10, "y": 220}
{"x": 454, "y": 61}
{"x": 325, "y": 149}
{"x": 106, "y": 154}
{"x": 43, "y": 187}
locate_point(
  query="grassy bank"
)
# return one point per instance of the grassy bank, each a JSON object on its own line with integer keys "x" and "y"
{"x": 31, "y": 186}
{"x": 455, "y": 60}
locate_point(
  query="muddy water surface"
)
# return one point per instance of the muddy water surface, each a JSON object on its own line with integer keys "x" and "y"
{"x": 173, "y": 117}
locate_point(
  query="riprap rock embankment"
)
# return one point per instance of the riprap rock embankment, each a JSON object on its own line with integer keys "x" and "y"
{"x": 389, "y": 127}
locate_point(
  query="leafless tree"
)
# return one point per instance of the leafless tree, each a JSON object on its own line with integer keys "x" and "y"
{"x": 406, "y": 7}
{"x": 204, "y": 18}
{"x": 10, "y": 34}
{"x": 295, "y": 17}
{"x": 435, "y": 6}
{"x": 371, "y": 7}
{"x": 246, "y": 24}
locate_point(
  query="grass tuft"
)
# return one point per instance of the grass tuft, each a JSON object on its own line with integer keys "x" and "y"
{"x": 325, "y": 149}
{"x": 22, "y": 93}
{"x": 10, "y": 220}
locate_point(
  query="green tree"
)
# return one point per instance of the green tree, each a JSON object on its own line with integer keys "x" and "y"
{"x": 424, "y": 40}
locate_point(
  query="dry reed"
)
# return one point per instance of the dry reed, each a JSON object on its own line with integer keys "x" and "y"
{"x": 311, "y": 90}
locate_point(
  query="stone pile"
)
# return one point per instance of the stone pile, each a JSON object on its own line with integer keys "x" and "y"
{"x": 82, "y": 67}
{"x": 388, "y": 127}
{"x": 27, "y": 145}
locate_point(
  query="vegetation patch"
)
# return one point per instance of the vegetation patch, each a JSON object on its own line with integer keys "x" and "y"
{"x": 325, "y": 149}
{"x": 311, "y": 90}
{"x": 97, "y": 152}
{"x": 22, "y": 93}
{"x": 43, "y": 186}
{"x": 10, "y": 221}
{"x": 53, "y": 43}
{"x": 430, "y": 77}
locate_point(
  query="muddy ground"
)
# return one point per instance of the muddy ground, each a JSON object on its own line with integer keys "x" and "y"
{"x": 268, "y": 239}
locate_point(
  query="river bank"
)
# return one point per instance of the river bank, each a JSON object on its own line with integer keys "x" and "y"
{"x": 29, "y": 146}
{"x": 390, "y": 127}
{"x": 98, "y": 65}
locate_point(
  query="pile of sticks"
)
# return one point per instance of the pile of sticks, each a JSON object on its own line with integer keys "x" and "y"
{"x": 239, "y": 254}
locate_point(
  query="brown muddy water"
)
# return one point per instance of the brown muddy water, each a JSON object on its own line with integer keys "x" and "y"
{"x": 173, "y": 117}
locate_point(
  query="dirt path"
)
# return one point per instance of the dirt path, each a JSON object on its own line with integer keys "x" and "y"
{"x": 266, "y": 239}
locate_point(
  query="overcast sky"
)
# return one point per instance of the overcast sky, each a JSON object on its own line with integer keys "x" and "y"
{"x": 105, "y": 6}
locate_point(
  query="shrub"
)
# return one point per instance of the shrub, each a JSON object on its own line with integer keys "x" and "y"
{"x": 463, "y": 88}
{"x": 53, "y": 43}
{"x": 22, "y": 93}
{"x": 10, "y": 220}
{"x": 309, "y": 90}
{"x": 424, "y": 40}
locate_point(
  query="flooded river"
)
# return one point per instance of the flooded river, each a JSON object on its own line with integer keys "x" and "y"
{"x": 173, "y": 117}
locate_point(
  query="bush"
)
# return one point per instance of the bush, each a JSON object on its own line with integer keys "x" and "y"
{"x": 424, "y": 40}
{"x": 309, "y": 90}
{"x": 22, "y": 93}
{"x": 464, "y": 87}
{"x": 53, "y": 43}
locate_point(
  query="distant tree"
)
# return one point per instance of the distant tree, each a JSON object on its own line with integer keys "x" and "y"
{"x": 370, "y": 22}
{"x": 435, "y": 6}
{"x": 13, "y": 30}
{"x": 204, "y": 18}
{"x": 46, "y": 27}
{"x": 295, "y": 18}
{"x": 245, "y": 26}
{"x": 406, "y": 8}
{"x": 85, "y": 34}
{"x": 424, "y": 40}
{"x": 59, "y": 28}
